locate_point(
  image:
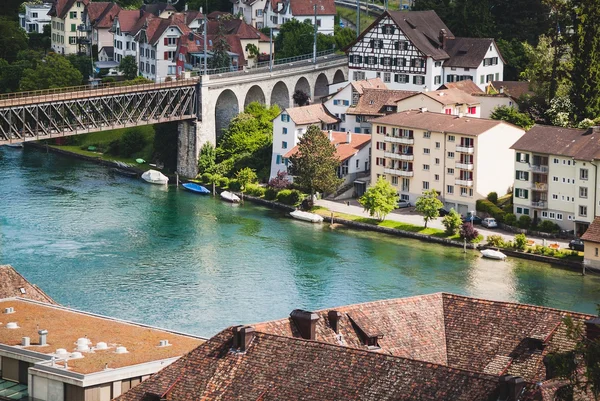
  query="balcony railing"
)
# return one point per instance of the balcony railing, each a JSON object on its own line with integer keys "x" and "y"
{"x": 406, "y": 140}
{"x": 465, "y": 149}
{"x": 539, "y": 186}
{"x": 539, "y": 204}
{"x": 402, "y": 173}
{"x": 539, "y": 168}
{"x": 464, "y": 183}
{"x": 399, "y": 156}
{"x": 464, "y": 166}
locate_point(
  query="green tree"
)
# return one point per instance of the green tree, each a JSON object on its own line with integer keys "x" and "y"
{"x": 295, "y": 38}
{"x": 585, "y": 92}
{"x": 245, "y": 176}
{"x": 520, "y": 242}
{"x": 12, "y": 39}
{"x": 220, "y": 58}
{"x": 54, "y": 72}
{"x": 452, "y": 221}
{"x": 84, "y": 65}
{"x": 132, "y": 141}
{"x": 314, "y": 166}
{"x": 128, "y": 66}
{"x": 252, "y": 50}
{"x": 380, "y": 199}
{"x": 40, "y": 41}
{"x": 515, "y": 59}
{"x": 513, "y": 116}
{"x": 343, "y": 36}
{"x": 206, "y": 159}
{"x": 429, "y": 205}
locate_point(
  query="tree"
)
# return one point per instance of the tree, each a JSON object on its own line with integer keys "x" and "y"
{"x": 220, "y": 58}
{"x": 380, "y": 199}
{"x": 300, "y": 97}
{"x": 515, "y": 59}
{"x": 314, "y": 165}
{"x": 468, "y": 232}
{"x": 280, "y": 181}
{"x": 12, "y": 39}
{"x": 40, "y": 41}
{"x": 54, "y": 72}
{"x": 84, "y": 65}
{"x": 343, "y": 36}
{"x": 294, "y": 39}
{"x": 452, "y": 221}
{"x": 585, "y": 92}
{"x": 513, "y": 116}
{"x": 252, "y": 50}
{"x": 128, "y": 66}
{"x": 245, "y": 176}
{"x": 207, "y": 158}
{"x": 429, "y": 205}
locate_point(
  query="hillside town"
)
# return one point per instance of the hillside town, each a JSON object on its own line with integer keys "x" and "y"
{"x": 348, "y": 200}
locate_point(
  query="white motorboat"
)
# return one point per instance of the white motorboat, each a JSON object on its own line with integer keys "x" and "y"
{"x": 306, "y": 216}
{"x": 492, "y": 254}
{"x": 230, "y": 197}
{"x": 155, "y": 177}
{"x": 15, "y": 145}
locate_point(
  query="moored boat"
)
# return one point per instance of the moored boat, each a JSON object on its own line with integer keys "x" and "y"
{"x": 126, "y": 173}
{"x": 15, "y": 145}
{"x": 230, "y": 197}
{"x": 199, "y": 189}
{"x": 155, "y": 177}
{"x": 306, "y": 216}
{"x": 492, "y": 254}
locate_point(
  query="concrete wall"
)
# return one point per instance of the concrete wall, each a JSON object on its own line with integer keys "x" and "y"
{"x": 490, "y": 102}
{"x": 591, "y": 254}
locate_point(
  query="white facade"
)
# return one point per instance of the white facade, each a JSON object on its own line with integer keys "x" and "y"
{"x": 286, "y": 135}
{"x": 490, "y": 69}
{"x": 35, "y": 17}
{"x": 338, "y": 105}
{"x": 64, "y": 31}
{"x": 252, "y": 11}
{"x": 157, "y": 60}
{"x": 123, "y": 42}
{"x": 490, "y": 102}
{"x": 423, "y": 101}
{"x": 283, "y": 13}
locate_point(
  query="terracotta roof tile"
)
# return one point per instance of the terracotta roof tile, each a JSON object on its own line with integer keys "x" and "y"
{"x": 157, "y": 8}
{"x": 466, "y": 85}
{"x": 373, "y": 83}
{"x": 311, "y": 114}
{"x": 450, "y": 96}
{"x": 343, "y": 149}
{"x": 373, "y": 101}
{"x": 60, "y": 8}
{"x": 12, "y": 284}
{"x": 101, "y": 14}
{"x": 305, "y": 7}
{"x": 466, "y": 52}
{"x": 571, "y": 142}
{"x": 593, "y": 232}
{"x": 128, "y": 19}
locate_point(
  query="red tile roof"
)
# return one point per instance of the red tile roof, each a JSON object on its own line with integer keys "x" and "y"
{"x": 467, "y": 86}
{"x": 311, "y": 114}
{"x": 12, "y": 284}
{"x": 593, "y": 232}
{"x": 306, "y": 7}
{"x": 132, "y": 20}
{"x": 236, "y": 27}
{"x": 373, "y": 83}
{"x": 514, "y": 89}
{"x": 101, "y": 14}
{"x": 450, "y": 96}
{"x": 60, "y": 8}
{"x": 343, "y": 149}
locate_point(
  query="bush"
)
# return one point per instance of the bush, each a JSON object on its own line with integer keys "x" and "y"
{"x": 468, "y": 232}
{"x": 207, "y": 178}
{"x": 520, "y": 242}
{"x": 493, "y": 197}
{"x": 495, "y": 241}
{"x": 234, "y": 185}
{"x": 255, "y": 190}
{"x": 510, "y": 219}
{"x": 548, "y": 226}
{"x": 452, "y": 222}
{"x": 281, "y": 181}
{"x": 485, "y": 206}
{"x": 114, "y": 147}
{"x": 270, "y": 194}
{"x": 290, "y": 197}
{"x": 132, "y": 142}
{"x": 224, "y": 182}
{"x": 524, "y": 222}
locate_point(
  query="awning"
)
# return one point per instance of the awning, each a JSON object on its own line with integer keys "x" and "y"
{"x": 106, "y": 64}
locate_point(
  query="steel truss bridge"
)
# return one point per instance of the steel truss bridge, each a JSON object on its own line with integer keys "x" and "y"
{"x": 31, "y": 116}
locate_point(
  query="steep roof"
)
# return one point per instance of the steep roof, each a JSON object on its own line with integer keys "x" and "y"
{"x": 12, "y": 284}
{"x": 513, "y": 88}
{"x": 373, "y": 83}
{"x": 311, "y": 114}
{"x": 157, "y": 8}
{"x": 572, "y": 142}
{"x": 372, "y": 101}
{"x": 343, "y": 149}
{"x": 132, "y": 20}
{"x": 101, "y": 14}
{"x": 109, "y": 50}
{"x": 154, "y": 27}
{"x": 439, "y": 122}
{"x": 593, "y": 232}
{"x": 60, "y": 8}
{"x": 192, "y": 15}
{"x": 466, "y": 85}
{"x": 466, "y": 52}
{"x": 236, "y": 27}
{"x": 450, "y": 96}
{"x": 306, "y": 7}
{"x": 423, "y": 30}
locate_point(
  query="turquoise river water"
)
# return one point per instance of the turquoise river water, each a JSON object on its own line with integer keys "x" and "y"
{"x": 117, "y": 246}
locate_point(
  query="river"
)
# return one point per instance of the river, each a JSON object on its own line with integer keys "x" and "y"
{"x": 117, "y": 246}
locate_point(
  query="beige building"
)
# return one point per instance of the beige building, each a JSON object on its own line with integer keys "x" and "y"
{"x": 66, "y": 20}
{"x": 591, "y": 241}
{"x": 448, "y": 101}
{"x": 463, "y": 158}
{"x": 555, "y": 176}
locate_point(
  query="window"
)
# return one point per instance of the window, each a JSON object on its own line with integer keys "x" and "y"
{"x": 437, "y": 161}
{"x": 583, "y": 192}
{"x": 555, "y": 161}
{"x": 72, "y": 40}
{"x": 450, "y": 189}
{"x": 559, "y": 216}
{"x": 555, "y": 179}
{"x": 259, "y": 12}
{"x": 437, "y": 80}
{"x": 450, "y": 155}
{"x": 450, "y": 171}
{"x": 583, "y": 174}
{"x": 73, "y": 27}
{"x": 426, "y": 134}
{"x": 583, "y": 211}
{"x": 425, "y": 185}
{"x": 285, "y": 118}
{"x": 170, "y": 41}
{"x": 438, "y": 63}
{"x": 141, "y": 67}
{"x": 426, "y": 167}
{"x": 552, "y": 215}
{"x": 555, "y": 196}
{"x": 172, "y": 70}
{"x": 284, "y": 130}
{"x": 387, "y": 77}
{"x": 73, "y": 15}
{"x": 387, "y": 29}
{"x": 596, "y": 252}
{"x": 78, "y": 4}
{"x": 418, "y": 80}
{"x": 284, "y": 145}
{"x": 544, "y": 214}
{"x": 153, "y": 69}
{"x": 437, "y": 145}
{"x": 394, "y": 179}
{"x": 523, "y": 157}
{"x": 522, "y": 175}
{"x": 380, "y": 161}
{"x": 401, "y": 78}
{"x": 170, "y": 55}
{"x": 489, "y": 78}
{"x": 436, "y": 177}
{"x": 371, "y": 60}
{"x": 278, "y": 160}
{"x": 521, "y": 193}
{"x": 451, "y": 138}
{"x": 426, "y": 151}
{"x": 472, "y": 110}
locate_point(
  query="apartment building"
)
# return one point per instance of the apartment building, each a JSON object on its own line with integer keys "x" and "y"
{"x": 373, "y": 103}
{"x": 415, "y": 50}
{"x": 125, "y": 26}
{"x": 462, "y": 158}
{"x": 98, "y": 20}
{"x": 555, "y": 176}
{"x": 279, "y": 12}
{"x": 66, "y": 18}
{"x": 448, "y": 101}
{"x": 35, "y": 17}
{"x": 251, "y": 10}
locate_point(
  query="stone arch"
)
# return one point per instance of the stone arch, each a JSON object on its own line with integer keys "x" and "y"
{"x": 280, "y": 95}
{"x": 226, "y": 107}
{"x": 303, "y": 85}
{"x": 339, "y": 77}
{"x": 255, "y": 94}
{"x": 321, "y": 86}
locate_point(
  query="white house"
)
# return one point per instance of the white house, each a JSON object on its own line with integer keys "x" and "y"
{"x": 125, "y": 25}
{"x": 35, "y": 17}
{"x": 278, "y": 12}
{"x": 447, "y": 101}
{"x": 415, "y": 50}
{"x": 98, "y": 20}
{"x": 291, "y": 124}
{"x": 251, "y": 10}
{"x": 66, "y": 17}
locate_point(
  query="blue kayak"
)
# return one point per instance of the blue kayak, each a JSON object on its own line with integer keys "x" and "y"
{"x": 199, "y": 189}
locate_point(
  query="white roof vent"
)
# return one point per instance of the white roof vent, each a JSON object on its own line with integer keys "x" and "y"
{"x": 25, "y": 341}
{"x": 76, "y": 355}
{"x": 121, "y": 350}
{"x": 61, "y": 352}
{"x": 12, "y": 325}
{"x": 164, "y": 343}
{"x": 101, "y": 345}
{"x": 83, "y": 344}
{"x": 9, "y": 310}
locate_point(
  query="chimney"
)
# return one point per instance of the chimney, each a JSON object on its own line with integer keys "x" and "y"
{"x": 185, "y": 8}
{"x": 442, "y": 37}
{"x": 242, "y": 337}
{"x": 501, "y": 89}
{"x": 595, "y": 129}
{"x": 43, "y": 334}
{"x": 423, "y": 109}
{"x": 334, "y": 319}
{"x": 330, "y": 135}
{"x": 592, "y": 328}
{"x": 201, "y": 10}
{"x": 306, "y": 322}
{"x": 349, "y": 137}
{"x": 510, "y": 387}
{"x": 25, "y": 342}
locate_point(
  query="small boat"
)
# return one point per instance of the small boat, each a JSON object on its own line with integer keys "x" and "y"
{"x": 15, "y": 145}
{"x": 199, "y": 189}
{"x": 491, "y": 254}
{"x": 155, "y": 177}
{"x": 127, "y": 173}
{"x": 306, "y": 216}
{"x": 230, "y": 197}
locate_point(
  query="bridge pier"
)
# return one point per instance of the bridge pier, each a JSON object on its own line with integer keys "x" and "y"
{"x": 191, "y": 135}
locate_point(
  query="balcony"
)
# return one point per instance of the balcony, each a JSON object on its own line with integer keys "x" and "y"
{"x": 401, "y": 173}
{"x": 539, "y": 186}
{"x": 464, "y": 166}
{"x": 405, "y": 140}
{"x": 399, "y": 156}
{"x": 539, "y": 204}
{"x": 465, "y": 149}
{"x": 464, "y": 183}
{"x": 539, "y": 168}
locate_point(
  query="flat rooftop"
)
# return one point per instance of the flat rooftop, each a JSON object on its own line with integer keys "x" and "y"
{"x": 65, "y": 326}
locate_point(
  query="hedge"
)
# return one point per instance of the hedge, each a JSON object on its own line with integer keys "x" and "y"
{"x": 485, "y": 206}
{"x": 270, "y": 193}
{"x": 234, "y": 185}
{"x": 255, "y": 190}
{"x": 290, "y": 197}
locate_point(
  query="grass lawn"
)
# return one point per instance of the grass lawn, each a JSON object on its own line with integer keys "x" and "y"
{"x": 79, "y": 151}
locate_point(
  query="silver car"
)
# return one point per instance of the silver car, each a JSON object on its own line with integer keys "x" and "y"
{"x": 489, "y": 222}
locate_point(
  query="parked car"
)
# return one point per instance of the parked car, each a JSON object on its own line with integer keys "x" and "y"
{"x": 443, "y": 212}
{"x": 476, "y": 219}
{"x": 576, "y": 245}
{"x": 489, "y": 222}
{"x": 403, "y": 203}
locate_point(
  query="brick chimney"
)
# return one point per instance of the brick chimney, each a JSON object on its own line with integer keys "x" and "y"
{"x": 306, "y": 322}
{"x": 334, "y": 320}
{"x": 442, "y": 38}
{"x": 510, "y": 387}
{"x": 592, "y": 329}
{"x": 242, "y": 337}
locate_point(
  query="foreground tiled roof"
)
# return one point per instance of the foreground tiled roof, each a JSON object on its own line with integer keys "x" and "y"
{"x": 571, "y": 142}
{"x": 466, "y": 85}
{"x": 60, "y": 8}
{"x": 593, "y": 232}
{"x": 466, "y": 52}
{"x": 12, "y": 284}
{"x": 311, "y": 114}
{"x": 451, "y": 96}
{"x": 373, "y": 83}
{"x": 343, "y": 148}
{"x": 439, "y": 122}
{"x": 373, "y": 101}
{"x": 128, "y": 19}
